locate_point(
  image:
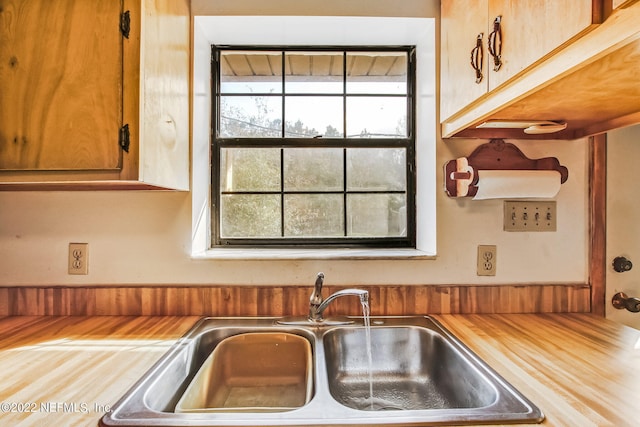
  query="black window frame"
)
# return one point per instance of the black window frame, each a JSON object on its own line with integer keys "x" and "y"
{"x": 408, "y": 143}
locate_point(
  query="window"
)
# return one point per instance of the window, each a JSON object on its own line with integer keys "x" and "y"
{"x": 314, "y": 146}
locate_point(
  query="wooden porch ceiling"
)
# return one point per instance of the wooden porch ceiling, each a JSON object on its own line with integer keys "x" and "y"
{"x": 384, "y": 64}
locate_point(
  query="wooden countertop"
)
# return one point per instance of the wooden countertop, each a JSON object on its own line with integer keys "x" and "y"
{"x": 581, "y": 370}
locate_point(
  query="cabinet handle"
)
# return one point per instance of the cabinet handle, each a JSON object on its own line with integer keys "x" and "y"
{"x": 495, "y": 43}
{"x": 477, "y": 57}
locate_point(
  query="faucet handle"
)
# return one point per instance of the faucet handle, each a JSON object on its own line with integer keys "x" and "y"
{"x": 319, "y": 282}
{"x": 316, "y": 295}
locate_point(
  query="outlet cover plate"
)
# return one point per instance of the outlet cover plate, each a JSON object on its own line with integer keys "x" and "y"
{"x": 487, "y": 260}
{"x": 78, "y": 258}
{"x": 530, "y": 215}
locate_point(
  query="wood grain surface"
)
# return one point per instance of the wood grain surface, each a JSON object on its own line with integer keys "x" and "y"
{"x": 575, "y": 86}
{"x": 289, "y": 300}
{"x": 598, "y": 222}
{"x": 61, "y": 104}
{"x": 67, "y": 371}
{"x": 579, "y": 369}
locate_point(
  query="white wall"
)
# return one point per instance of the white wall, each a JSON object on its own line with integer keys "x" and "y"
{"x": 623, "y": 212}
{"x": 146, "y": 237}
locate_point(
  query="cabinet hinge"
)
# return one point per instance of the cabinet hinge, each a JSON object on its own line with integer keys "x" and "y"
{"x": 125, "y": 23}
{"x": 124, "y": 138}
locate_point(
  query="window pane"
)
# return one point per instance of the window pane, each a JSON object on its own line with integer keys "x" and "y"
{"x": 313, "y": 215}
{"x": 377, "y": 72}
{"x": 250, "y": 72}
{"x": 314, "y": 72}
{"x": 376, "y": 215}
{"x": 250, "y": 116}
{"x": 308, "y": 117}
{"x": 376, "y": 117}
{"x": 250, "y": 215}
{"x": 364, "y": 167}
{"x": 313, "y": 169}
{"x": 249, "y": 169}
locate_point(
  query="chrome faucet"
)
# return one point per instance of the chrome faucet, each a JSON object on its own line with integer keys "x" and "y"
{"x": 317, "y": 304}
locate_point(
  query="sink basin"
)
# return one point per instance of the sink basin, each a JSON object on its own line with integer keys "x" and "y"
{"x": 252, "y": 372}
{"x": 412, "y": 368}
{"x": 221, "y": 373}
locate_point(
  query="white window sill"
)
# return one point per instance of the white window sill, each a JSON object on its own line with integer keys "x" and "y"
{"x": 311, "y": 254}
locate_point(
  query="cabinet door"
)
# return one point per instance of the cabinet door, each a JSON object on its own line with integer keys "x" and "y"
{"x": 532, "y": 29}
{"x": 61, "y": 85}
{"x": 461, "y": 23}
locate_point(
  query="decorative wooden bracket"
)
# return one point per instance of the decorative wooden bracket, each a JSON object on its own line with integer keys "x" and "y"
{"x": 461, "y": 177}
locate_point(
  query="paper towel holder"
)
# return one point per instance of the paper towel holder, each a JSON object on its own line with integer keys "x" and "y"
{"x": 461, "y": 178}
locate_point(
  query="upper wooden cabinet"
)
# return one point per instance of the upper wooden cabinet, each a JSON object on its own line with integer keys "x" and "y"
{"x": 463, "y": 29}
{"x": 557, "y": 64}
{"x": 61, "y": 85}
{"x": 519, "y": 33}
{"x": 531, "y": 31}
{"x": 94, "y": 94}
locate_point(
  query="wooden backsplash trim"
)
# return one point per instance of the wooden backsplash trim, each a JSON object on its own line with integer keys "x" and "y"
{"x": 290, "y": 300}
{"x": 598, "y": 222}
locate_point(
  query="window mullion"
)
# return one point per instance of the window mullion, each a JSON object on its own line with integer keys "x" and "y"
{"x": 283, "y": 134}
{"x": 344, "y": 136}
{"x": 282, "y": 192}
{"x": 344, "y": 95}
{"x": 344, "y": 186}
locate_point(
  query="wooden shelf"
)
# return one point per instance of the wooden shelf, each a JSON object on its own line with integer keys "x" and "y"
{"x": 591, "y": 84}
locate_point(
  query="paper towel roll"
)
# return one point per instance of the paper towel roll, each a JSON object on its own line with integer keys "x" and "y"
{"x": 511, "y": 184}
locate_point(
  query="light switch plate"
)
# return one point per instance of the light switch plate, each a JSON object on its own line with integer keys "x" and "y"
{"x": 530, "y": 215}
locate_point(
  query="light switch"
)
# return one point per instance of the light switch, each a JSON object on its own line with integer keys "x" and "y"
{"x": 530, "y": 215}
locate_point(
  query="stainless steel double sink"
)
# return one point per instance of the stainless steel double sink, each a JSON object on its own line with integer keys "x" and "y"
{"x": 417, "y": 373}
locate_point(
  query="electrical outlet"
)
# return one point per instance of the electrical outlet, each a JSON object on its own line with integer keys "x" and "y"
{"x": 78, "y": 258}
{"x": 487, "y": 258}
{"x": 530, "y": 216}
